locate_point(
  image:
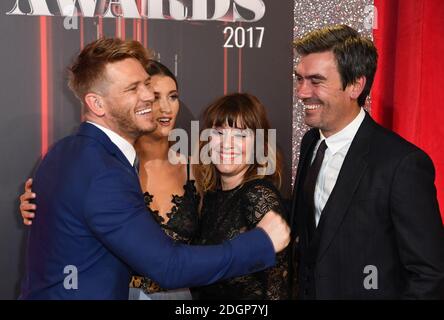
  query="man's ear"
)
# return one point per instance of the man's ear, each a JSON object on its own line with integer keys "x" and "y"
{"x": 94, "y": 102}
{"x": 357, "y": 87}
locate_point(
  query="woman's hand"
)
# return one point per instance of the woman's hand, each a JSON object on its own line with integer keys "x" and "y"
{"x": 26, "y": 208}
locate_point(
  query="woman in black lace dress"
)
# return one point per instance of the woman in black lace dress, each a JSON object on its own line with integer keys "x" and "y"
{"x": 239, "y": 190}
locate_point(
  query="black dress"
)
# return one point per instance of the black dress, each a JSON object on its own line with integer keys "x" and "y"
{"x": 226, "y": 214}
{"x": 182, "y": 225}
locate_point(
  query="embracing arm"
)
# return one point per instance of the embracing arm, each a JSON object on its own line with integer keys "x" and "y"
{"x": 116, "y": 213}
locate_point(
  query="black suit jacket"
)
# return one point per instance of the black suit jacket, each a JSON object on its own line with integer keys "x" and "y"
{"x": 381, "y": 225}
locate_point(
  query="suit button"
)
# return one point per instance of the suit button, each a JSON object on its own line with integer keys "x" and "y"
{"x": 297, "y": 239}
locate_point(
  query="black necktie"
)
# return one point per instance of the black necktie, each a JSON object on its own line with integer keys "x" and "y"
{"x": 310, "y": 185}
{"x": 136, "y": 165}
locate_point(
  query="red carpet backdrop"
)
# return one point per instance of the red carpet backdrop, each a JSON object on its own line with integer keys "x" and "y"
{"x": 214, "y": 47}
{"x": 408, "y": 92}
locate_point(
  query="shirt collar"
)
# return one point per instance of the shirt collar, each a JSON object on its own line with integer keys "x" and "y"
{"x": 127, "y": 148}
{"x": 337, "y": 141}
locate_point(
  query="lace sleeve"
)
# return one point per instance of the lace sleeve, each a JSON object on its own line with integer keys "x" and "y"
{"x": 277, "y": 283}
{"x": 261, "y": 198}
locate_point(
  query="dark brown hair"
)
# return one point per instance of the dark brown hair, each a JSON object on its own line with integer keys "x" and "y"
{"x": 243, "y": 111}
{"x": 155, "y": 68}
{"x": 355, "y": 55}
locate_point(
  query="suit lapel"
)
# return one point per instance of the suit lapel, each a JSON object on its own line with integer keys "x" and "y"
{"x": 304, "y": 161}
{"x": 90, "y": 130}
{"x": 354, "y": 166}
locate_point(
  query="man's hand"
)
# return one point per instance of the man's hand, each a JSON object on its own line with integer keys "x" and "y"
{"x": 277, "y": 229}
{"x": 27, "y": 208}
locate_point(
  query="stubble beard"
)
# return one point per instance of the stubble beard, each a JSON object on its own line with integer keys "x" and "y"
{"x": 127, "y": 125}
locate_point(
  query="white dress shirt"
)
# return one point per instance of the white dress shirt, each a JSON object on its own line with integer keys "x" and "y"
{"x": 127, "y": 148}
{"x": 338, "y": 145}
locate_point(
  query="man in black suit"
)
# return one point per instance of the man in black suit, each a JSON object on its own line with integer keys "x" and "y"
{"x": 365, "y": 216}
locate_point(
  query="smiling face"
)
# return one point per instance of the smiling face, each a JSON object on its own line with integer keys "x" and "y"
{"x": 166, "y": 104}
{"x": 127, "y": 99}
{"x": 328, "y": 106}
{"x": 241, "y": 144}
{"x": 231, "y": 150}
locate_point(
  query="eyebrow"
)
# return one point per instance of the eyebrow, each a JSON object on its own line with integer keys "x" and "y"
{"x": 135, "y": 83}
{"x": 312, "y": 76}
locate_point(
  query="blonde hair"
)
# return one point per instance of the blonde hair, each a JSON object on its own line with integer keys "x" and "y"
{"x": 89, "y": 66}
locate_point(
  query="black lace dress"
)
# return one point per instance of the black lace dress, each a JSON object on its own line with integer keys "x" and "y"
{"x": 182, "y": 225}
{"x": 226, "y": 214}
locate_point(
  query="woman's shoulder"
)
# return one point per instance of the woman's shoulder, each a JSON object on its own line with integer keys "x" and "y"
{"x": 260, "y": 197}
{"x": 260, "y": 186}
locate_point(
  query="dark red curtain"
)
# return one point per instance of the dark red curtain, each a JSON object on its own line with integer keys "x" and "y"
{"x": 408, "y": 93}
